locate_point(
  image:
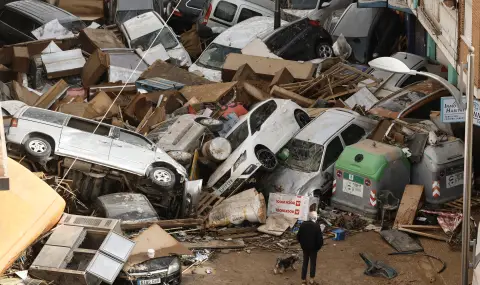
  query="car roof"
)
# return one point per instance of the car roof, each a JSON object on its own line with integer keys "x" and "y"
{"x": 142, "y": 25}
{"x": 349, "y": 26}
{"x": 244, "y": 32}
{"x": 127, "y": 5}
{"x": 41, "y": 11}
{"x": 329, "y": 122}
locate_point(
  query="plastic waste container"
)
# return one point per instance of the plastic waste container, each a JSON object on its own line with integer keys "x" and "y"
{"x": 363, "y": 170}
{"x": 440, "y": 171}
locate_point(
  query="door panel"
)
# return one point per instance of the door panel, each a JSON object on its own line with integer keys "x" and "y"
{"x": 78, "y": 139}
{"x": 131, "y": 152}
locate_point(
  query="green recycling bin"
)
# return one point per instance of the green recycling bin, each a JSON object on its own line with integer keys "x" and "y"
{"x": 365, "y": 169}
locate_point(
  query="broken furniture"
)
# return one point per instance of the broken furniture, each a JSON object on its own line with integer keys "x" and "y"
{"x": 83, "y": 251}
{"x": 363, "y": 170}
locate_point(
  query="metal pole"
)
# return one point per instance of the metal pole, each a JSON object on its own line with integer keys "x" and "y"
{"x": 467, "y": 170}
{"x": 276, "y": 20}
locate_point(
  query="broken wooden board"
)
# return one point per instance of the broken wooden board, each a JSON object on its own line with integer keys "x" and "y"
{"x": 171, "y": 72}
{"x": 47, "y": 99}
{"x": 458, "y": 204}
{"x": 285, "y": 94}
{"x": 423, "y": 234}
{"x": 255, "y": 92}
{"x": 164, "y": 224}
{"x": 208, "y": 93}
{"x": 409, "y": 205}
{"x": 216, "y": 244}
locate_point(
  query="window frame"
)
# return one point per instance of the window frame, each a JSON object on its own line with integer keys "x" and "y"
{"x": 225, "y": 3}
{"x": 251, "y": 11}
{"x": 119, "y": 131}
{"x": 323, "y": 165}
{"x": 348, "y": 129}
{"x": 92, "y": 123}
{"x": 261, "y": 108}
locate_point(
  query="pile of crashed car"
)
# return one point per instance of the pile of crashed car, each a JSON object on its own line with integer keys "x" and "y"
{"x": 111, "y": 121}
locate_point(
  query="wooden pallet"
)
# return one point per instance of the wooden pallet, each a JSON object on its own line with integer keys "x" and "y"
{"x": 206, "y": 204}
{"x": 458, "y": 204}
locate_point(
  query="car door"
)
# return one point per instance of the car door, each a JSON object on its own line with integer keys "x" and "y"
{"x": 352, "y": 134}
{"x": 131, "y": 151}
{"x": 16, "y": 28}
{"x": 266, "y": 130}
{"x": 333, "y": 149}
{"x": 223, "y": 15}
{"x": 86, "y": 140}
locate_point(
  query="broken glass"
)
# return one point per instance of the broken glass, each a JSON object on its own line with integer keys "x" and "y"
{"x": 303, "y": 155}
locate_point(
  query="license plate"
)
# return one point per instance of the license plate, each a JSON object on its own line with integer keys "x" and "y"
{"x": 352, "y": 188}
{"x": 225, "y": 186}
{"x": 149, "y": 281}
{"x": 454, "y": 179}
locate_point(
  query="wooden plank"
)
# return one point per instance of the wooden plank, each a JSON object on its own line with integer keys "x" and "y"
{"x": 437, "y": 237}
{"x": 423, "y": 227}
{"x": 215, "y": 244}
{"x": 255, "y": 92}
{"x": 408, "y": 206}
{"x": 164, "y": 224}
{"x": 285, "y": 94}
{"x": 208, "y": 203}
{"x": 47, "y": 99}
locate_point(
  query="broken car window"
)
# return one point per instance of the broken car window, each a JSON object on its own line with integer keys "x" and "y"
{"x": 44, "y": 115}
{"x": 401, "y": 101}
{"x": 225, "y": 11}
{"x": 214, "y": 56}
{"x": 283, "y": 35}
{"x": 166, "y": 38}
{"x": 334, "y": 149}
{"x": 304, "y": 156}
{"x": 134, "y": 139}
{"x": 88, "y": 126}
{"x": 246, "y": 14}
{"x": 261, "y": 114}
{"x": 352, "y": 134}
{"x": 237, "y": 137}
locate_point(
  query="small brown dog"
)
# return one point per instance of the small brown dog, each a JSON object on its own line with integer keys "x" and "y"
{"x": 285, "y": 263}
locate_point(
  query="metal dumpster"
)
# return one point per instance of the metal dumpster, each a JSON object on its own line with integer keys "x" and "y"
{"x": 441, "y": 172}
{"x": 363, "y": 170}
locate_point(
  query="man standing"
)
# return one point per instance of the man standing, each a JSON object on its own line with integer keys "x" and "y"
{"x": 310, "y": 237}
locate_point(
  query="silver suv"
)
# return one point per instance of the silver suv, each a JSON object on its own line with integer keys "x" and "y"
{"x": 44, "y": 133}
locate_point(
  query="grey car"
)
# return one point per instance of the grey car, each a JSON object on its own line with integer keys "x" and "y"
{"x": 44, "y": 133}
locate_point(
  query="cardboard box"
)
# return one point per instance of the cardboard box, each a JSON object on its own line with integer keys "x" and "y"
{"x": 171, "y": 72}
{"x": 47, "y": 99}
{"x": 87, "y": 10}
{"x": 21, "y": 59}
{"x": 64, "y": 63}
{"x": 96, "y": 66}
{"x": 93, "y": 39}
{"x": 266, "y": 67}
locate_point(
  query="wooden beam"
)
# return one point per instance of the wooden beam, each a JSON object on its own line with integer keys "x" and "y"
{"x": 437, "y": 237}
{"x": 164, "y": 224}
{"x": 285, "y": 94}
{"x": 408, "y": 206}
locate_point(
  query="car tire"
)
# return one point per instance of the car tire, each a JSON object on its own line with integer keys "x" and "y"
{"x": 212, "y": 124}
{"x": 267, "y": 158}
{"x": 38, "y": 148}
{"x": 324, "y": 50}
{"x": 163, "y": 177}
{"x": 302, "y": 118}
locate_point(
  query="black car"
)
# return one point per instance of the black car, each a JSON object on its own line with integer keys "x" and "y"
{"x": 371, "y": 32}
{"x": 187, "y": 13}
{"x": 303, "y": 40}
{"x": 18, "y": 19}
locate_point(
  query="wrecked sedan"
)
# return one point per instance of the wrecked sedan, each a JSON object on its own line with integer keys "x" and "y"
{"x": 43, "y": 133}
{"x": 18, "y": 19}
{"x": 143, "y": 32}
{"x": 184, "y": 132}
{"x": 307, "y": 161}
{"x": 255, "y": 139}
{"x": 415, "y": 101}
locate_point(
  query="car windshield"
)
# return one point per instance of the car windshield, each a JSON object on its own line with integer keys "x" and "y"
{"x": 166, "y": 38}
{"x": 300, "y": 4}
{"x": 304, "y": 156}
{"x": 401, "y": 101}
{"x": 215, "y": 55}
{"x": 238, "y": 136}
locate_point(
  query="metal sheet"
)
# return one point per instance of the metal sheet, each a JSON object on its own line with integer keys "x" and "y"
{"x": 117, "y": 246}
{"x": 64, "y": 61}
{"x": 104, "y": 267}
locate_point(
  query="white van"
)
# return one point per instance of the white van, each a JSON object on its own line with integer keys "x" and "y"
{"x": 232, "y": 40}
{"x": 227, "y": 13}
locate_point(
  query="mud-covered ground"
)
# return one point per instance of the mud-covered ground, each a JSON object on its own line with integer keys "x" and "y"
{"x": 338, "y": 263}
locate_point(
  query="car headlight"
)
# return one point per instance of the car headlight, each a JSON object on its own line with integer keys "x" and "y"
{"x": 240, "y": 160}
{"x": 174, "y": 266}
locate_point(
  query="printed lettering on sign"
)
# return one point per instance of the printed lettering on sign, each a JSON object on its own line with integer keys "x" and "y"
{"x": 291, "y": 206}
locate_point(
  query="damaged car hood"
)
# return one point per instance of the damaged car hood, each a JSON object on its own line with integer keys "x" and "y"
{"x": 289, "y": 181}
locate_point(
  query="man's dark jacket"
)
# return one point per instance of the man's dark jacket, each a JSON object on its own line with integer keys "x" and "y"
{"x": 310, "y": 236}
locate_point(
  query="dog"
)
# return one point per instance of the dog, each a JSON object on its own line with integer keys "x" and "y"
{"x": 285, "y": 263}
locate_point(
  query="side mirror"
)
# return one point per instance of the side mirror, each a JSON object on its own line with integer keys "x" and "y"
{"x": 325, "y": 4}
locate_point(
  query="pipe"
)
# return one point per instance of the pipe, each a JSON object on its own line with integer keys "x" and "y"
{"x": 276, "y": 20}
{"x": 467, "y": 170}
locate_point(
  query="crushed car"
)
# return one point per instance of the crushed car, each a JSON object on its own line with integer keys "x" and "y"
{"x": 254, "y": 140}
{"x": 306, "y": 163}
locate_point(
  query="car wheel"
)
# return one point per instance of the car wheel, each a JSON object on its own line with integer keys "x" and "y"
{"x": 212, "y": 124}
{"x": 324, "y": 50}
{"x": 302, "y": 118}
{"x": 38, "y": 148}
{"x": 163, "y": 177}
{"x": 266, "y": 158}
